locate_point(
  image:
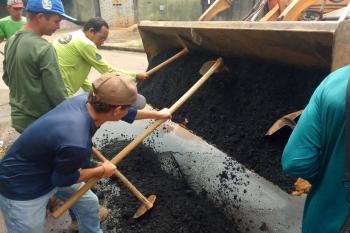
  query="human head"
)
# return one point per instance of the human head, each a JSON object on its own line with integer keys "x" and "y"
{"x": 96, "y": 29}
{"x": 111, "y": 91}
{"x": 15, "y": 9}
{"x": 47, "y": 14}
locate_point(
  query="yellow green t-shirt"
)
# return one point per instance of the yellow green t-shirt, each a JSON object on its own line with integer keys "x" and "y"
{"x": 9, "y": 27}
{"x": 76, "y": 55}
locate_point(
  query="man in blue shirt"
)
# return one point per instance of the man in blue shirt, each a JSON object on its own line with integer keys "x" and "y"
{"x": 51, "y": 151}
{"x": 316, "y": 152}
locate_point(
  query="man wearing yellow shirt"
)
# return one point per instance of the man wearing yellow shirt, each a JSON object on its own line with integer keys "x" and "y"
{"x": 77, "y": 52}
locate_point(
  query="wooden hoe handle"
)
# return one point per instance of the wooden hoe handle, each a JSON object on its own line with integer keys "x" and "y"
{"x": 183, "y": 52}
{"x": 122, "y": 154}
{"x": 125, "y": 181}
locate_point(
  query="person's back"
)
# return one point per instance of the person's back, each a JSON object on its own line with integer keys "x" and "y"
{"x": 76, "y": 55}
{"x": 316, "y": 152}
{"x": 41, "y": 148}
{"x": 35, "y": 84}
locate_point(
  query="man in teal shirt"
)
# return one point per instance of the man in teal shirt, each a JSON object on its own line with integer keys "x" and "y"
{"x": 77, "y": 52}
{"x": 316, "y": 152}
{"x": 12, "y": 23}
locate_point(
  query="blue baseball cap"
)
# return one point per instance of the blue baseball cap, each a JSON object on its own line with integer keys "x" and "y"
{"x": 48, "y": 7}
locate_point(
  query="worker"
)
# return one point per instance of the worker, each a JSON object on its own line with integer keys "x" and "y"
{"x": 77, "y": 53}
{"x": 31, "y": 68}
{"x": 11, "y": 24}
{"x": 316, "y": 152}
{"x": 49, "y": 154}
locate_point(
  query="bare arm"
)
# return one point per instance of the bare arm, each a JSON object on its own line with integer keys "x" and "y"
{"x": 153, "y": 114}
{"x": 104, "y": 171}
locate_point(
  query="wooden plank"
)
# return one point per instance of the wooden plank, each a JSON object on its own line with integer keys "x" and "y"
{"x": 272, "y": 14}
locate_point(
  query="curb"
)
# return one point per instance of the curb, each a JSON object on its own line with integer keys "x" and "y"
{"x": 113, "y": 47}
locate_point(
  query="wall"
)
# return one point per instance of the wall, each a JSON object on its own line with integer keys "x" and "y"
{"x": 238, "y": 10}
{"x": 3, "y": 10}
{"x": 171, "y": 10}
{"x": 83, "y": 10}
{"x": 80, "y": 9}
{"x": 120, "y": 13}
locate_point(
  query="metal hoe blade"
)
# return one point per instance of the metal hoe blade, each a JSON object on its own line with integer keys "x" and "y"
{"x": 283, "y": 121}
{"x": 143, "y": 208}
{"x": 207, "y": 65}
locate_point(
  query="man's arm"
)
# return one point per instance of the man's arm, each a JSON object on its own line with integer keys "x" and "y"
{"x": 105, "y": 170}
{"x": 301, "y": 155}
{"x": 153, "y": 114}
{"x": 91, "y": 55}
{"x": 67, "y": 166}
{"x": 134, "y": 114}
{"x": 51, "y": 77}
{"x": 5, "y": 77}
{"x": 2, "y": 32}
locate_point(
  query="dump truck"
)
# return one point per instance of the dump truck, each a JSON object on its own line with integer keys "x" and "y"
{"x": 277, "y": 36}
{"x": 269, "y": 34}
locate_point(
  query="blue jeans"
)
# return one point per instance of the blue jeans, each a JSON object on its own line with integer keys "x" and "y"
{"x": 29, "y": 216}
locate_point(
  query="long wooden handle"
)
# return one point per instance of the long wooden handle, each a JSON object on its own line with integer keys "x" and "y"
{"x": 74, "y": 198}
{"x": 133, "y": 189}
{"x": 294, "y": 9}
{"x": 217, "y": 7}
{"x": 170, "y": 60}
{"x": 122, "y": 154}
{"x": 125, "y": 181}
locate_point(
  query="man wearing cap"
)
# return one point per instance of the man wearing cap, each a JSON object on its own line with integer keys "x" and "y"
{"x": 51, "y": 151}
{"x": 77, "y": 53}
{"x": 31, "y": 69}
{"x": 12, "y": 23}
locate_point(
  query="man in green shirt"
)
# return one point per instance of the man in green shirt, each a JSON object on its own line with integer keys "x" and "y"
{"x": 31, "y": 69}
{"x": 12, "y": 23}
{"x": 77, "y": 53}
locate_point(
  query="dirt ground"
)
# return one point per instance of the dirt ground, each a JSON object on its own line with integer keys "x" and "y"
{"x": 233, "y": 110}
{"x": 178, "y": 209}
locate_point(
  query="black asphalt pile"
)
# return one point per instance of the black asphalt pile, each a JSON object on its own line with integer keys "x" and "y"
{"x": 178, "y": 209}
{"x": 234, "y": 110}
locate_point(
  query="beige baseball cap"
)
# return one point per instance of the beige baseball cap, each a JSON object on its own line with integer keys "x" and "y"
{"x": 15, "y": 3}
{"x": 118, "y": 90}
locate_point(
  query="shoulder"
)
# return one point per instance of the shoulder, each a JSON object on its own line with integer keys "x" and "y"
{"x": 81, "y": 41}
{"x": 7, "y": 18}
{"x": 337, "y": 79}
{"x": 343, "y": 71}
{"x": 73, "y": 121}
{"x": 330, "y": 94}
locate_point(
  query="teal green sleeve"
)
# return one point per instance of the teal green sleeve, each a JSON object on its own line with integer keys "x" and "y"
{"x": 301, "y": 155}
{"x": 51, "y": 76}
{"x": 91, "y": 55}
